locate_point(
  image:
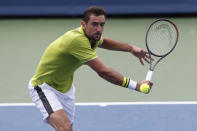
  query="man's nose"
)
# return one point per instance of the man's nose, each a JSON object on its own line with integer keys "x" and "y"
{"x": 99, "y": 28}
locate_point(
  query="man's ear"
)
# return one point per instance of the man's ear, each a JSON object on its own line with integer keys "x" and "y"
{"x": 83, "y": 24}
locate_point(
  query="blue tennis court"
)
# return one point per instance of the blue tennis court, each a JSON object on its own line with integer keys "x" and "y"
{"x": 135, "y": 116}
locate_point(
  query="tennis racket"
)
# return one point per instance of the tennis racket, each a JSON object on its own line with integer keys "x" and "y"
{"x": 161, "y": 39}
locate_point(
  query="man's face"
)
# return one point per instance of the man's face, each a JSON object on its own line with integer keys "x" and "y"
{"x": 94, "y": 28}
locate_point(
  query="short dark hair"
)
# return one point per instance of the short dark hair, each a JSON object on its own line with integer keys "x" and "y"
{"x": 93, "y": 10}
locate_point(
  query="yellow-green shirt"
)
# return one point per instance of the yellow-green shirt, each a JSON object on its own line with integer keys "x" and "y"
{"x": 61, "y": 59}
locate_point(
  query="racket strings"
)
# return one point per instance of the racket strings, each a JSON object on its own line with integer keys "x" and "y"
{"x": 161, "y": 37}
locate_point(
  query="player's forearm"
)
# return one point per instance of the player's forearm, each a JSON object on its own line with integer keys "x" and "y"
{"x": 116, "y": 45}
{"x": 116, "y": 78}
{"x": 112, "y": 76}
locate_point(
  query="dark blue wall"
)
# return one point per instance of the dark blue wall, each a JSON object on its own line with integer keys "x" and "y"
{"x": 113, "y": 7}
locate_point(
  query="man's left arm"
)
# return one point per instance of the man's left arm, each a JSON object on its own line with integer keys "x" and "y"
{"x": 111, "y": 44}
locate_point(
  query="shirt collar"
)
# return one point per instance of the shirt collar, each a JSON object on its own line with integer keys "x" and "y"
{"x": 81, "y": 30}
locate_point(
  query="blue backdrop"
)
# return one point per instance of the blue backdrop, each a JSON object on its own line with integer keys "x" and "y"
{"x": 113, "y": 7}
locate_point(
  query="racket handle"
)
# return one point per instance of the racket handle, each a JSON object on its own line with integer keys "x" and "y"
{"x": 149, "y": 75}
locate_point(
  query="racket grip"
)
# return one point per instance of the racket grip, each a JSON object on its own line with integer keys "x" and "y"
{"x": 149, "y": 75}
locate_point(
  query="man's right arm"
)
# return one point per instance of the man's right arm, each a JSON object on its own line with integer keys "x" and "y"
{"x": 106, "y": 73}
{"x": 109, "y": 74}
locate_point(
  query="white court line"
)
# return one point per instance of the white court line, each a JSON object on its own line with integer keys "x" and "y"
{"x": 17, "y": 104}
{"x": 137, "y": 103}
{"x": 112, "y": 103}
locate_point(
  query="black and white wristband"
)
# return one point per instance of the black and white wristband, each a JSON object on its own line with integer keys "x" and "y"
{"x": 128, "y": 83}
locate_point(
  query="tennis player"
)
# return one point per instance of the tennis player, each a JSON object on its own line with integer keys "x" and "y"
{"x": 52, "y": 89}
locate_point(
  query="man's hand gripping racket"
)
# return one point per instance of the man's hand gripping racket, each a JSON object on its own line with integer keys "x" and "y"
{"x": 161, "y": 39}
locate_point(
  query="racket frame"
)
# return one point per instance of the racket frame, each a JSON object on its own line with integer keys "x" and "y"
{"x": 160, "y": 56}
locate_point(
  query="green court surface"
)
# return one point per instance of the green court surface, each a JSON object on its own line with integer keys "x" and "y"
{"x": 22, "y": 42}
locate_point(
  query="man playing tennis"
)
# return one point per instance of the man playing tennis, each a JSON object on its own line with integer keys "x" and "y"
{"x": 51, "y": 87}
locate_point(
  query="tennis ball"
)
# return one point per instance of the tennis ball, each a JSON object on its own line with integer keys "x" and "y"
{"x": 145, "y": 88}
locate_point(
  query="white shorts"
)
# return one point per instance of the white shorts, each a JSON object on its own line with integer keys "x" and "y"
{"x": 49, "y": 100}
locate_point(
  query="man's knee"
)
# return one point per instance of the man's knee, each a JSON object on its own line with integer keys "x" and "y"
{"x": 65, "y": 127}
{"x": 62, "y": 127}
{"x": 60, "y": 121}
